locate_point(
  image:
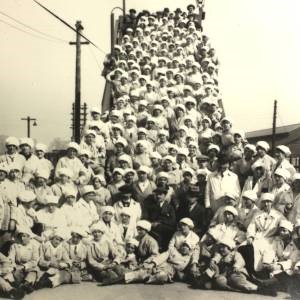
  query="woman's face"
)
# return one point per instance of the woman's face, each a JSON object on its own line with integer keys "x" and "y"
{"x": 72, "y": 153}
{"x": 55, "y": 241}
{"x": 229, "y": 217}
{"x": 279, "y": 180}
{"x": 24, "y": 238}
{"x": 25, "y": 149}
{"x": 284, "y": 233}
{"x": 97, "y": 234}
{"x": 76, "y": 238}
{"x": 51, "y": 208}
{"x": 40, "y": 154}
{"x": 279, "y": 155}
{"x": 237, "y": 138}
{"x": 266, "y": 206}
{"x": 142, "y": 176}
{"x": 107, "y": 216}
{"x": 97, "y": 183}
{"x": 141, "y": 232}
{"x": 11, "y": 149}
{"x": 70, "y": 200}
{"x": 184, "y": 228}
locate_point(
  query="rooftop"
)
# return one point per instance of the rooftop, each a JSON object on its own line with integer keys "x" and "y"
{"x": 268, "y": 131}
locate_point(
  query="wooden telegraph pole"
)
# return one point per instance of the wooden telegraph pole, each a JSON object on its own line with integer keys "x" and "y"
{"x": 28, "y": 120}
{"x": 77, "y": 105}
{"x": 274, "y": 127}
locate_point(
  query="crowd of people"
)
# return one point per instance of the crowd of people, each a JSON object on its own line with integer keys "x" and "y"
{"x": 162, "y": 188}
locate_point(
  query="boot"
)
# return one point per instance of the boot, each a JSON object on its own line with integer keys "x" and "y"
{"x": 27, "y": 287}
{"x": 267, "y": 291}
{"x": 16, "y": 294}
{"x": 111, "y": 281}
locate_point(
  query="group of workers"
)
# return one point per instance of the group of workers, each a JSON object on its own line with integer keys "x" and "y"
{"x": 162, "y": 188}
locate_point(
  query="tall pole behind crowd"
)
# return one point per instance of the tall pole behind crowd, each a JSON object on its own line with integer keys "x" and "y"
{"x": 78, "y": 43}
{"x": 274, "y": 127}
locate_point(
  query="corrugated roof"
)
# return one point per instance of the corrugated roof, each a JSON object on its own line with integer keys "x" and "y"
{"x": 266, "y": 132}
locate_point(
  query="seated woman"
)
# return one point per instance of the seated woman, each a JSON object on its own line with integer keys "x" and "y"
{"x": 103, "y": 196}
{"x": 54, "y": 260}
{"x": 51, "y": 216}
{"x": 78, "y": 257}
{"x": 278, "y": 258}
{"x": 101, "y": 252}
{"x": 24, "y": 254}
{"x": 227, "y": 269}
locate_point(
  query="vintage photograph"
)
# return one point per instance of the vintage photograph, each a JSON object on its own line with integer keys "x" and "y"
{"x": 149, "y": 150}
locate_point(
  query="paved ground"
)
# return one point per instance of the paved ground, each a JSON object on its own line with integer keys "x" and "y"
{"x": 177, "y": 291}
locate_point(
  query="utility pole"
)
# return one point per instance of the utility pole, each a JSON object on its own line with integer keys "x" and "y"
{"x": 124, "y": 8}
{"x": 77, "y": 106}
{"x": 274, "y": 127}
{"x": 28, "y": 120}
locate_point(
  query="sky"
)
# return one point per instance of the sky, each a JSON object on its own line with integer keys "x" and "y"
{"x": 256, "y": 41}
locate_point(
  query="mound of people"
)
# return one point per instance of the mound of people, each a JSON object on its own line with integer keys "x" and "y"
{"x": 162, "y": 188}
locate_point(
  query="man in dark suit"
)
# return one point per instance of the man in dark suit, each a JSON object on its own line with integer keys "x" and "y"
{"x": 193, "y": 209}
{"x": 161, "y": 214}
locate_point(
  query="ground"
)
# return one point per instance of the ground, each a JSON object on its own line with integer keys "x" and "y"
{"x": 176, "y": 291}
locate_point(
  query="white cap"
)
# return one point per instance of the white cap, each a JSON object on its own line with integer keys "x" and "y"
{"x": 95, "y": 110}
{"x": 286, "y": 224}
{"x": 26, "y": 141}
{"x": 41, "y": 147}
{"x": 183, "y": 151}
{"x": 85, "y": 152}
{"x": 286, "y": 150}
{"x": 251, "y": 147}
{"x": 163, "y": 132}
{"x": 87, "y": 189}
{"x": 227, "y": 242}
{"x": 231, "y": 209}
{"x": 144, "y": 224}
{"x": 258, "y": 164}
{"x": 98, "y": 227}
{"x": 27, "y": 196}
{"x": 267, "y": 197}
{"x": 188, "y": 170}
{"x": 155, "y": 154}
{"x": 170, "y": 158}
{"x": 121, "y": 141}
{"x": 12, "y": 141}
{"x": 51, "y": 199}
{"x": 133, "y": 242}
{"x": 90, "y": 132}
{"x": 142, "y": 130}
{"x": 118, "y": 170}
{"x": 264, "y": 145}
{"x": 61, "y": 233}
{"x": 108, "y": 208}
{"x": 144, "y": 169}
{"x": 213, "y": 146}
{"x": 250, "y": 194}
{"x": 188, "y": 222}
{"x": 79, "y": 230}
{"x": 65, "y": 171}
{"x": 284, "y": 173}
{"x": 73, "y": 145}
{"x": 125, "y": 157}
{"x": 296, "y": 177}
{"x": 162, "y": 175}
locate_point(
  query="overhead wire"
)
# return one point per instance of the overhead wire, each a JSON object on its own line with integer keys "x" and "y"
{"x": 27, "y": 32}
{"x": 33, "y": 29}
{"x": 68, "y": 25}
{"x": 94, "y": 56}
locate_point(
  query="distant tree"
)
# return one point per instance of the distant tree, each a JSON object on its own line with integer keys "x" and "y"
{"x": 58, "y": 144}
{"x": 2, "y": 143}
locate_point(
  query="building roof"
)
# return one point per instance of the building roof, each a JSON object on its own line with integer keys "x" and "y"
{"x": 268, "y": 131}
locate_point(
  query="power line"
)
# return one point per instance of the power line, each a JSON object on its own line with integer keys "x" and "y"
{"x": 29, "y": 33}
{"x": 94, "y": 56}
{"x": 68, "y": 25}
{"x": 33, "y": 29}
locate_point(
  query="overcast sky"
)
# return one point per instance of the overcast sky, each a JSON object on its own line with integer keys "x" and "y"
{"x": 257, "y": 43}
